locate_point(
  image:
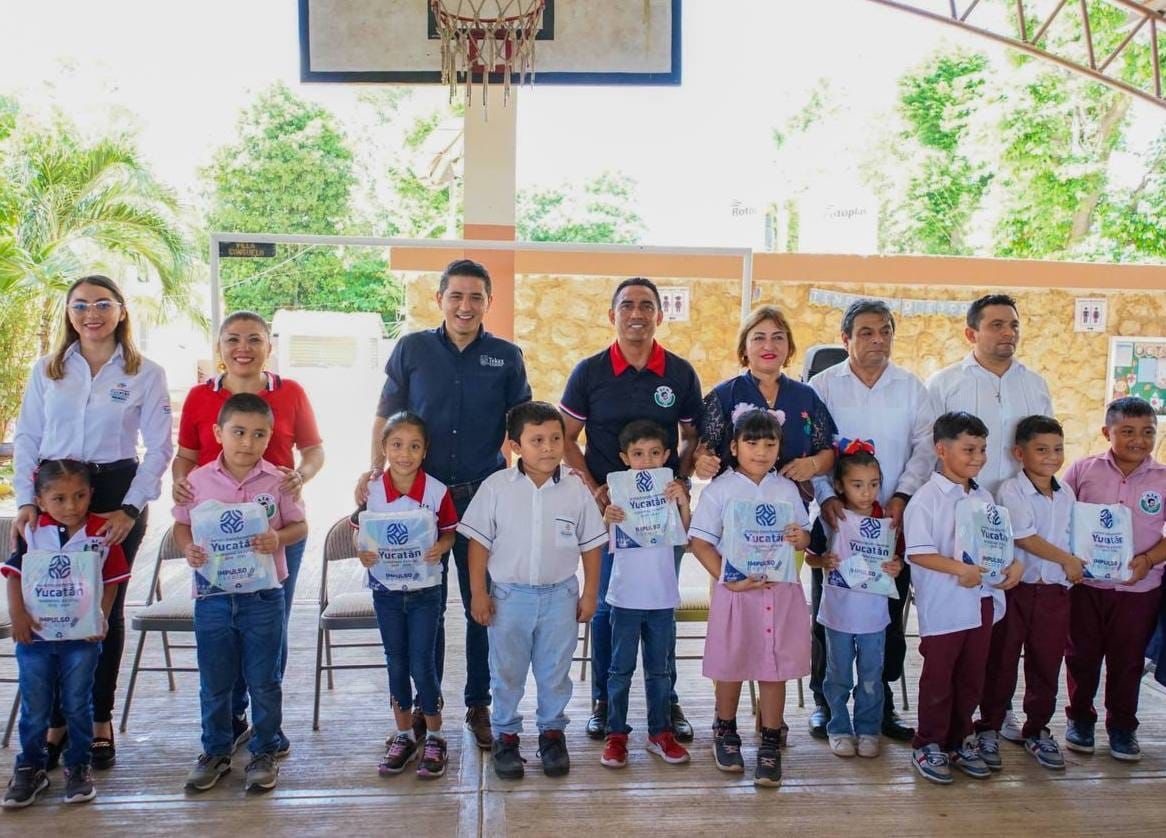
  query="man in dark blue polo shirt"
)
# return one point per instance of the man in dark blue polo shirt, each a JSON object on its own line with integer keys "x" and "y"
{"x": 634, "y": 378}
{"x": 461, "y": 380}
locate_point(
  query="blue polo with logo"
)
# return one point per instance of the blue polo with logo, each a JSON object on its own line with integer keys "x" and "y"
{"x": 462, "y": 395}
{"x": 605, "y": 393}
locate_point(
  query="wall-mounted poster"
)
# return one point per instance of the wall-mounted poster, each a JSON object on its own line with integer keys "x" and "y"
{"x": 1137, "y": 367}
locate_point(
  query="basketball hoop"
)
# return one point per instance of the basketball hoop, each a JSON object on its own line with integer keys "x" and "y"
{"x": 487, "y": 36}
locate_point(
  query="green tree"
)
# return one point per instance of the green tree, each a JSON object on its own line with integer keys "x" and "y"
{"x": 600, "y": 210}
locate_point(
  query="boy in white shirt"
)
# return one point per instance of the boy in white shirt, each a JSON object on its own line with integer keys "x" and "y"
{"x": 527, "y": 527}
{"x": 956, "y": 610}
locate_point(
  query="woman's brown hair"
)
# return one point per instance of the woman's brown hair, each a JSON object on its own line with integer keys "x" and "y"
{"x": 758, "y": 316}
{"x": 131, "y": 357}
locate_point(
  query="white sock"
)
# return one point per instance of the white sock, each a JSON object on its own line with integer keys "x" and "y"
{"x": 407, "y": 732}
{"x": 434, "y": 734}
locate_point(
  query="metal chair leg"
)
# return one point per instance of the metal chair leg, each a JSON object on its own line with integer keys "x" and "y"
{"x": 586, "y": 656}
{"x": 319, "y": 669}
{"x": 169, "y": 663}
{"x": 125, "y": 710}
{"x": 12, "y": 718}
{"x": 801, "y": 694}
{"x": 328, "y": 655}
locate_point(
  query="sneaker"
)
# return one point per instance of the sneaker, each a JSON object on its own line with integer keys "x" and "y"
{"x": 1079, "y": 736}
{"x": 597, "y": 724}
{"x": 1123, "y": 745}
{"x": 842, "y": 746}
{"x": 968, "y": 760}
{"x": 768, "y": 770}
{"x": 241, "y": 732}
{"x": 206, "y": 772}
{"x": 478, "y": 723}
{"x": 988, "y": 743}
{"x": 552, "y": 751}
{"x": 615, "y": 751}
{"x": 79, "y": 784}
{"x": 868, "y": 746}
{"x": 818, "y": 720}
{"x": 261, "y": 773}
{"x": 1011, "y": 729}
{"x": 727, "y": 749}
{"x": 399, "y": 752}
{"x": 25, "y": 786}
{"x": 54, "y": 751}
{"x": 434, "y": 756}
{"x": 893, "y": 728}
{"x": 932, "y": 764}
{"x": 681, "y": 727}
{"x": 665, "y": 746}
{"x": 507, "y": 760}
{"x": 1045, "y": 750}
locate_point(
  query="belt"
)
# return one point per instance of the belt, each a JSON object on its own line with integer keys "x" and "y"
{"x": 464, "y": 491}
{"x": 116, "y": 465}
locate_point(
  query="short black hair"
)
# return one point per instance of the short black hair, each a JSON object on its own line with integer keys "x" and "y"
{"x": 49, "y": 471}
{"x": 642, "y": 429}
{"x": 865, "y": 306}
{"x": 1031, "y": 426}
{"x": 976, "y": 309}
{"x": 531, "y": 413}
{"x": 949, "y": 426}
{"x": 641, "y": 281}
{"x": 245, "y": 403}
{"x": 465, "y": 267}
{"x": 1128, "y": 407}
{"x": 405, "y": 417}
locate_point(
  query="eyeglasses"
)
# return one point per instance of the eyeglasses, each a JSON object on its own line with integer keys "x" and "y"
{"x": 101, "y": 307}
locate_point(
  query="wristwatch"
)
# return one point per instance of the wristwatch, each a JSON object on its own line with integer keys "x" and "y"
{"x": 131, "y": 510}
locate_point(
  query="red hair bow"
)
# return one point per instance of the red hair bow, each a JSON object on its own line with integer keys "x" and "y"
{"x": 856, "y": 446}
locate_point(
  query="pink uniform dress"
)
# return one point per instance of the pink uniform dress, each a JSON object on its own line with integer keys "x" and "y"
{"x": 761, "y": 634}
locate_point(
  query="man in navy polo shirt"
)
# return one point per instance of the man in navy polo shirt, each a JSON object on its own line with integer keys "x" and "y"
{"x": 634, "y": 378}
{"x": 461, "y": 380}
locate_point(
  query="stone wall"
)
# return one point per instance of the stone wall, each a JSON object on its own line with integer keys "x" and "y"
{"x": 559, "y": 320}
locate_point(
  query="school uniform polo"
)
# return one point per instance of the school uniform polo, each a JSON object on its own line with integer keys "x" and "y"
{"x": 294, "y": 421}
{"x": 48, "y": 534}
{"x": 95, "y": 419}
{"x": 463, "y": 396}
{"x": 841, "y": 609}
{"x": 1001, "y": 401}
{"x": 535, "y": 534}
{"x": 1032, "y": 512}
{"x": 425, "y": 493}
{"x": 605, "y": 393}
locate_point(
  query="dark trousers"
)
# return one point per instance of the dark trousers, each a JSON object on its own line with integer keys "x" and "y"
{"x": 1111, "y": 625}
{"x": 952, "y": 682}
{"x": 1037, "y": 621}
{"x": 477, "y": 690}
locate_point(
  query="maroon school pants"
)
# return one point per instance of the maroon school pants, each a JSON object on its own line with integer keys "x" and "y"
{"x": 952, "y": 681}
{"x": 1037, "y": 620}
{"x": 1112, "y": 625}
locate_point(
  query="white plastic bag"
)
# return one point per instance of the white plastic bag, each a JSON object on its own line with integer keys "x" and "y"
{"x": 983, "y": 536}
{"x": 400, "y": 539}
{"x": 62, "y": 591}
{"x": 650, "y": 519}
{"x": 862, "y": 546}
{"x": 233, "y": 566}
{"x": 1103, "y": 538}
{"x": 753, "y": 542}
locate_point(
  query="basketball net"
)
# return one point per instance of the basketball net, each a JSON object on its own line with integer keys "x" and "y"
{"x": 480, "y": 37}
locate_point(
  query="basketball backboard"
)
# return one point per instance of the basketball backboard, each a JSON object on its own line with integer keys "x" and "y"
{"x": 599, "y": 42}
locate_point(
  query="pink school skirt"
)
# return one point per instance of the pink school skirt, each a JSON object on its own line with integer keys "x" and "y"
{"x": 758, "y": 635}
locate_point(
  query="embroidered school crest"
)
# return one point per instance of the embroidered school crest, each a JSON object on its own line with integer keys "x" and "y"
{"x": 1150, "y": 503}
{"x": 664, "y": 396}
{"x": 267, "y": 502}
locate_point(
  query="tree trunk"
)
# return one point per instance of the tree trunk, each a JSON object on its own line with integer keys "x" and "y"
{"x": 1083, "y": 216}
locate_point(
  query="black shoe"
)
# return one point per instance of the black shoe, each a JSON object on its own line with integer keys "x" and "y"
{"x": 103, "y": 753}
{"x": 893, "y": 728}
{"x": 681, "y": 727}
{"x": 597, "y": 724}
{"x": 507, "y": 760}
{"x": 54, "y": 750}
{"x": 552, "y": 750}
{"x": 768, "y": 771}
{"x": 727, "y": 748}
{"x": 818, "y": 721}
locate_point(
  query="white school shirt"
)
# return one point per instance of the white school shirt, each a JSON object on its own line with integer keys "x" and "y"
{"x": 643, "y": 578}
{"x": 929, "y": 527}
{"x": 1000, "y": 401}
{"x": 708, "y": 519}
{"x": 1034, "y": 513}
{"x": 95, "y": 419}
{"x": 535, "y": 534}
{"x": 896, "y": 414}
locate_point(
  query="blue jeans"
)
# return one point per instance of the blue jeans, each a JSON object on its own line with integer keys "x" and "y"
{"x": 408, "y": 624}
{"x": 477, "y": 691}
{"x": 533, "y": 628}
{"x": 234, "y": 631}
{"x": 294, "y": 553}
{"x": 601, "y": 635}
{"x": 655, "y": 629}
{"x": 841, "y": 649}
{"x": 51, "y": 669}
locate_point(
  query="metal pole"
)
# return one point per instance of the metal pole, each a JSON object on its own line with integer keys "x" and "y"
{"x": 216, "y": 303}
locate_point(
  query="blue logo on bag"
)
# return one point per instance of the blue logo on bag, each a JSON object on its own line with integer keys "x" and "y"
{"x": 60, "y": 567}
{"x": 993, "y": 516}
{"x": 396, "y": 533}
{"x": 1106, "y": 518}
{"x": 870, "y": 528}
{"x": 231, "y": 521}
{"x": 766, "y": 515}
{"x": 644, "y": 481}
